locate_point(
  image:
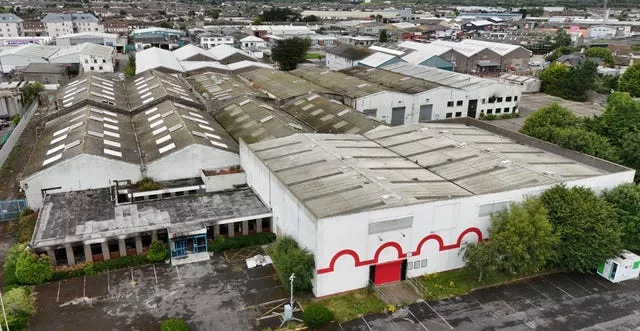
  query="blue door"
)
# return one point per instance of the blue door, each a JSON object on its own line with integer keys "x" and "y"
{"x": 181, "y": 246}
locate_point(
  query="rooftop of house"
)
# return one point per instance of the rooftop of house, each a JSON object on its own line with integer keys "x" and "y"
{"x": 439, "y": 76}
{"x": 91, "y": 216}
{"x": 403, "y": 165}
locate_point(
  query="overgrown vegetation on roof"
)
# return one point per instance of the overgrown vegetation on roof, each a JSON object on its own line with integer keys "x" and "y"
{"x": 147, "y": 184}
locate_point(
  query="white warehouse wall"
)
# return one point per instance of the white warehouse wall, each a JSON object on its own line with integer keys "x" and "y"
{"x": 335, "y": 62}
{"x": 79, "y": 173}
{"x": 455, "y": 222}
{"x": 189, "y": 161}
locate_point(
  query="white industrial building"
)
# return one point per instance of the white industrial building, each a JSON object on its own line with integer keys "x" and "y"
{"x": 64, "y": 24}
{"x": 11, "y": 26}
{"x": 22, "y": 56}
{"x": 159, "y": 59}
{"x": 91, "y": 57}
{"x": 104, "y": 130}
{"x": 401, "y": 202}
{"x": 210, "y": 40}
{"x": 100, "y": 38}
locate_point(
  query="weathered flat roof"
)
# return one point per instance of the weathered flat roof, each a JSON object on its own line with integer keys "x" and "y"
{"x": 392, "y": 80}
{"x": 280, "y": 84}
{"x": 439, "y": 76}
{"x": 404, "y": 165}
{"x": 326, "y": 115}
{"x": 90, "y": 216}
{"x": 340, "y": 83}
{"x": 220, "y": 88}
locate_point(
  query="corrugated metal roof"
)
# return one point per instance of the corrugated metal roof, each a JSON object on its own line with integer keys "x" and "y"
{"x": 340, "y": 83}
{"x": 280, "y": 84}
{"x": 156, "y": 58}
{"x": 439, "y": 76}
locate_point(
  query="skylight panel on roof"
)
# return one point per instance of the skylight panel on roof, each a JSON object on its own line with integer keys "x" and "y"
{"x": 144, "y": 90}
{"x": 109, "y": 97}
{"x": 175, "y": 127}
{"x": 106, "y": 112}
{"x": 154, "y": 117}
{"x": 159, "y": 130}
{"x": 266, "y": 107}
{"x": 206, "y": 127}
{"x": 167, "y": 114}
{"x": 195, "y": 114}
{"x": 244, "y": 102}
{"x": 194, "y": 119}
{"x": 76, "y": 125}
{"x": 163, "y": 139}
{"x": 61, "y": 131}
{"x": 167, "y": 148}
{"x": 138, "y": 79}
{"x": 59, "y": 139}
{"x": 112, "y": 152}
{"x": 95, "y": 118}
{"x": 342, "y": 113}
{"x": 156, "y": 123}
{"x": 77, "y": 118}
{"x": 151, "y": 110}
{"x": 112, "y": 127}
{"x": 107, "y": 93}
{"x": 72, "y": 144}
{"x": 67, "y": 104}
{"x": 111, "y": 143}
{"x": 55, "y": 149}
{"x": 177, "y": 104}
{"x": 52, "y": 159}
{"x": 148, "y": 100}
{"x": 199, "y": 134}
{"x": 111, "y": 134}
{"x": 95, "y": 134}
{"x": 145, "y": 95}
{"x": 109, "y": 119}
{"x": 313, "y": 97}
{"x": 266, "y": 119}
{"x": 211, "y": 135}
{"x": 141, "y": 82}
{"x": 218, "y": 144}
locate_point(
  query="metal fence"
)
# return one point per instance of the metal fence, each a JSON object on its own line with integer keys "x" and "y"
{"x": 10, "y": 209}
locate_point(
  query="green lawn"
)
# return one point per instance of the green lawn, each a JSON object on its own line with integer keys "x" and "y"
{"x": 314, "y": 56}
{"x": 455, "y": 282}
{"x": 352, "y": 305}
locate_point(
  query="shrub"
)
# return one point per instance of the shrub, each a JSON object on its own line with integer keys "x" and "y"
{"x": 26, "y": 211}
{"x": 18, "y": 305}
{"x": 174, "y": 324}
{"x": 26, "y": 225}
{"x": 289, "y": 258}
{"x": 15, "y": 120}
{"x": 32, "y": 269}
{"x": 147, "y": 184}
{"x": 10, "y": 263}
{"x": 316, "y": 316}
{"x": 158, "y": 252}
{"x": 90, "y": 269}
{"x": 94, "y": 268}
{"x": 224, "y": 244}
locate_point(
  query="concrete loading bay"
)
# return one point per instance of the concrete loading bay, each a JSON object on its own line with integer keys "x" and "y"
{"x": 212, "y": 295}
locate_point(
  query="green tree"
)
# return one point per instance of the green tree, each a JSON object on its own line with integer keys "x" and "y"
{"x": 257, "y": 21}
{"x": 165, "y": 24}
{"x": 383, "y": 38}
{"x": 600, "y": 52}
{"x": 316, "y": 316}
{"x": 9, "y": 267}
{"x": 174, "y": 324}
{"x": 540, "y": 122}
{"x": 584, "y": 141}
{"x": 310, "y": 19}
{"x": 123, "y": 12}
{"x": 158, "y": 252}
{"x": 635, "y": 48}
{"x": 18, "y": 305}
{"x": 625, "y": 200}
{"x": 31, "y": 92}
{"x": 630, "y": 80}
{"x": 521, "y": 241}
{"x": 289, "y": 258}
{"x": 32, "y": 269}
{"x": 553, "y": 78}
{"x": 480, "y": 259}
{"x": 535, "y": 12}
{"x": 213, "y": 13}
{"x": 291, "y": 51}
{"x": 586, "y": 226}
{"x": 560, "y": 51}
{"x": 561, "y": 38}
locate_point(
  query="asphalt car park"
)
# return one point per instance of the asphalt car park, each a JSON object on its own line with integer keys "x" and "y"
{"x": 210, "y": 295}
{"x": 562, "y": 301}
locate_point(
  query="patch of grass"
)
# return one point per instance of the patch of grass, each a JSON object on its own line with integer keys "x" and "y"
{"x": 313, "y": 56}
{"x": 352, "y": 305}
{"x": 26, "y": 225}
{"x": 456, "y": 282}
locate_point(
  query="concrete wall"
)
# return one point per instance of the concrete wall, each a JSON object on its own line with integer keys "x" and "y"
{"x": 224, "y": 181}
{"x": 335, "y": 62}
{"x": 439, "y": 232}
{"x": 189, "y": 161}
{"x": 57, "y": 29}
{"x": 88, "y": 62}
{"x": 519, "y": 58}
{"x": 79, "y": 173}
{"x": 17, "y": 131}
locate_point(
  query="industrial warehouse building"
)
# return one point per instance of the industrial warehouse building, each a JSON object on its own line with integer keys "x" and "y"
{"x": 401, "y": 202}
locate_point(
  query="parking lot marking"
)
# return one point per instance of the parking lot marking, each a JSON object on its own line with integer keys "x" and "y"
{"x": 419, "y": 321}
{"x": 178, "y": 271}
{"x": 508, "y": 305}
{"x": 580, "y": 286}
{"x": 367, "y": 324}
{"x": 544, "y": 295}
{"x": 437, "y": 313}
{"x": 84, "y": 287}
{"x": 154, "y": 273}
{"x": 531, "y": 303}
{"x": 597, "y": 281}
{"x": 481, "y": 305}
{"x": 58, "y": 296}
{"x": 563, "y": 291}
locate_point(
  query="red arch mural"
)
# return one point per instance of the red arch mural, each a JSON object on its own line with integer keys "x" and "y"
{"x": 441, "y": 245}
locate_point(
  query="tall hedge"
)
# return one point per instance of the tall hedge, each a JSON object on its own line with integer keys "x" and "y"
{"x": 289, "y": 258}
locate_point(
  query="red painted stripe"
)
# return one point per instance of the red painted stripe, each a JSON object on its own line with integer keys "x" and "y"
{"x": 401, "y": 255}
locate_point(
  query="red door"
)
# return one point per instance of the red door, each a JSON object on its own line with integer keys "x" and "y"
{"x": 387, "y": 272}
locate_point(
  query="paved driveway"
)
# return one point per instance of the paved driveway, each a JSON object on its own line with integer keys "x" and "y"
{"x": 553, "y": 302}
{"x": 209, "y": 295}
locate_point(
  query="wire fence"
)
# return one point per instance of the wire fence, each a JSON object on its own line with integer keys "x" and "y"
{"x": 10, "y": 209}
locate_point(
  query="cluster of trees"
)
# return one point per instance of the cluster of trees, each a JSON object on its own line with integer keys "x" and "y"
{"x": 565, "y": 228}
{"x": 289, "y": 258}
{"x": 279, "y": 15}
{"x": 31, "y": 92}
{"x": 570, "y": 83}
{"x": 630, "y": 80}
{"x": 289, "y": 52}
{"x": 592, "y": 52}
{"x": 614, "y": 135}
